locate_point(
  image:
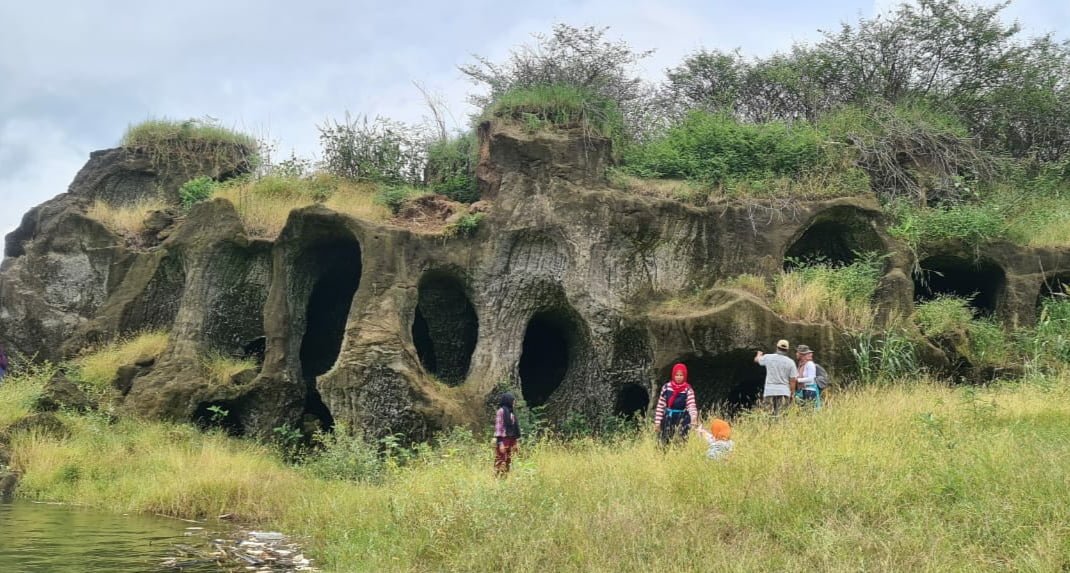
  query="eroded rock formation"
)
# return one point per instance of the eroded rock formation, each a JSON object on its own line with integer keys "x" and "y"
{"x": 390, "y": 330}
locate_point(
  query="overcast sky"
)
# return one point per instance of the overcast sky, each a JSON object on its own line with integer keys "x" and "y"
{"x": 74, "y": 74}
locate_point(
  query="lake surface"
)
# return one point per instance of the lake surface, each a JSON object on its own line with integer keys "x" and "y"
{"x": 56, "y": 538}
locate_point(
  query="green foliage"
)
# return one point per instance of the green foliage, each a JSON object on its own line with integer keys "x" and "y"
{"x": 568, "y": 61}
{"x": 218, "y": 414}
{"x": 451, "y": 165}
{"x": 558, "y": 106}
{"x": 196, "y": 190}
{"x": 190, "y": 134}
{"x": 911, "y": 150}
{"x": 970, "y": 224}
{"x": 944, "y": 316}
{"x": 395, "y": 196}
{"x": 342, "y": 456}
{"x": 288, "y": 441}
{"x": 716, "y": 148}
{"x": 466, "y": 226}
{"x": 885, "y": 358}
{"x": 382, "y": 150}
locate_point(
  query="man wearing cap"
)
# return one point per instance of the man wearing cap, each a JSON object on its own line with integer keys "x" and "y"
{"x": 781, "y": 377}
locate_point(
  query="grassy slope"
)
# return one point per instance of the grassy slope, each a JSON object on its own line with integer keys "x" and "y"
{"x": 910, "y": 476}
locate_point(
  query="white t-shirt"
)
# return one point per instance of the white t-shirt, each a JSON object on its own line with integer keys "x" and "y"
{"x": 779, "y": 370}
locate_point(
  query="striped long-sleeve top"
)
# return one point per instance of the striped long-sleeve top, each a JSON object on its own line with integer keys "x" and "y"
{"x": 685, "y": 399}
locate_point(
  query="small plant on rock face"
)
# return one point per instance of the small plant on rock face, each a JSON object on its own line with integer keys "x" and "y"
{"x": 196, "y": 190}
{"x": 466, "y": 226}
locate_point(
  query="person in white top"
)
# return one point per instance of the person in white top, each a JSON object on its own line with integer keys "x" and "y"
{"x": 781, "y": 377}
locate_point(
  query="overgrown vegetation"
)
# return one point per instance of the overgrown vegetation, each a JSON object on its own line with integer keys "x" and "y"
{"x": 126, "y": 220}
{"x": 97, "y": 368}
{"x": 969, "y": 463}
{"x": 817, "y": 291}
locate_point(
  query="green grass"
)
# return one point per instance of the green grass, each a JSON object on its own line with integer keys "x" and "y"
{"x": 188, "y": 133}
{"x": 558, "y": 106}
{"x": 895, "y": 477}
{"x": 821, "y": 292}
{"x": 97, "y": 368}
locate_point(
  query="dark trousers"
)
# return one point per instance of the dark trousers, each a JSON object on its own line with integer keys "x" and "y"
{"x": 674, "y": 427}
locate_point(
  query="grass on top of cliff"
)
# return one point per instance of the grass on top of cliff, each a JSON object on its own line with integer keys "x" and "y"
{"x": 264, "y": 204}
{"x": 191, "y": 134}
{"x": 904, "y": 476}
{"x": 558, "y": 106}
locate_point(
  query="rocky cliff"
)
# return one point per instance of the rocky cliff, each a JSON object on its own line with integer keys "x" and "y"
{"x": 560, "y": 293}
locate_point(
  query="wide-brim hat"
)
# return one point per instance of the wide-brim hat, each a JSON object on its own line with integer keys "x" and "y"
{"x": 803, "y": 349}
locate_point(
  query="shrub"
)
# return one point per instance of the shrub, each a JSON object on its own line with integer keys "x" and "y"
{"x": 344, "y": 457}
{"x": 716, "y": 148}
{"x": 944, "y": 316}
{"x": 382, "y": 150}
{"x": 393, "y": 197}
{"x": 451, "y": 165}
{"x": 196, "y": 190}
{"x": 466, "y": 226}
{"x": 885, "y": 358}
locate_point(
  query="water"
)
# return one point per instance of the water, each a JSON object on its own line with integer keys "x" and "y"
{"x": 40, "y": 538}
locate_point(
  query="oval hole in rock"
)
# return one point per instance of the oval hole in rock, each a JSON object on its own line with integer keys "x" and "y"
{"x": 444, "y": 328}
{"x": 729, "y": 381}
{"x": 982, "y": 282}
{"x": 834, "y": 237}
{"x": 632, "y": 400}
{"x": 545, "y": 355}
{"x": 336, "y": 270}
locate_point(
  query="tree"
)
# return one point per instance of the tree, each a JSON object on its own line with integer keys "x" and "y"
{"x": 569, "y": 56}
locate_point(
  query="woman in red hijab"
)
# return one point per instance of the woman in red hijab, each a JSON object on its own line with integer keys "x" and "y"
{"x": 676, "y": 409}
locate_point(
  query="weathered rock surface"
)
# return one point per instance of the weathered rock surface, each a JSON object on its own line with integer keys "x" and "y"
{"x": 60, "y": 393}
{"x": 562, "y": 294}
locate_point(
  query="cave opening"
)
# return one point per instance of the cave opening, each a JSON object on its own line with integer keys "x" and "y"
{"x": 633, "y": 400}
{"x": 545, "y": 356}
{"x": 727, "y": 382}
{"x": 981, "y": 282}
{"x": 336, "y": 270}
{"x": 444, "y": 328}
{"x": 836, "y": 238}
{"x": 219, "y": 415}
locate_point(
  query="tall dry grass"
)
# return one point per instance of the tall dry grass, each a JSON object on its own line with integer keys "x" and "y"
{"x": 913, "y": 476}
{"x": 98, "y": 367}
{"x": 125, "y": 220}
{"x": 265, "y": 204}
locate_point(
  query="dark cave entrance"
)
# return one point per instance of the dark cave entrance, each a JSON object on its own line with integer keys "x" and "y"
{"x": 982, "y": 282}
{"x": 633, "y": 400}
{"x": 835, "y": 237}
{"x": 547, "y": 352}
{"x": 336, "y": 269}
{"x": 220, "y": 415}
{"x": 444, "y": 328}
{"x": 727, "y": 382}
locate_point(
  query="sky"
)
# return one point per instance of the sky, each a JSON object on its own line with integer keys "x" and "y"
{"x": 74, "y": 75}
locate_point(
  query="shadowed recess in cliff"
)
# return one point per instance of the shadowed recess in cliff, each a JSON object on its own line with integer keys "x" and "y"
{"x": 632, "y": 400}
{"x": 551, "y": 346}
{"x": 444, "y": 327}
{"x": 335, "y": 266}
{"x": 728, "y": 382}
{"x": 981, "y": 281}
{"x": 1055, "y": 287}
{"x": 834, "y": 237}
{"x": 221, "y": 415}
